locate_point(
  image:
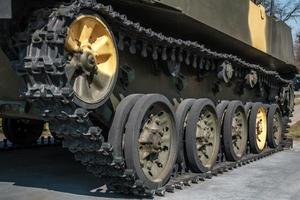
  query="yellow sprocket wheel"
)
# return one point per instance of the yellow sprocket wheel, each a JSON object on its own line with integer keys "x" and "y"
{"x": 93, "y": 67}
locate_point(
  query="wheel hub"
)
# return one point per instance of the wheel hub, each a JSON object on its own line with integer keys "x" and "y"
{"x": 261, "y": 128}
{"x": 154, "y": 143}
{"x": 205, "y": 137}
{"x": 277, "y": 129}
{"x": 88, "y": 61}
{"x": 237, "y": 132}
{"x": 92, "y": 68}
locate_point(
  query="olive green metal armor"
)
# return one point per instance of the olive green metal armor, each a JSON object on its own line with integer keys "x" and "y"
{"x": 149, "y": 95}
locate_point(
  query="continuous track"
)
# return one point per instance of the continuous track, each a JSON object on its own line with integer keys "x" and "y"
{"x": 48, "y": 86}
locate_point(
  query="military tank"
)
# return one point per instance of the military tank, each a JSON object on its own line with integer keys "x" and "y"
{"x": 147, "y": 94}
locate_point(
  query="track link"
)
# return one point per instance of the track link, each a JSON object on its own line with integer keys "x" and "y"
{"x": 47, "y": 85}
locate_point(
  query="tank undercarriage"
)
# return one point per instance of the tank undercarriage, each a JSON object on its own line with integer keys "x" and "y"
{"x": 147, "y": 112}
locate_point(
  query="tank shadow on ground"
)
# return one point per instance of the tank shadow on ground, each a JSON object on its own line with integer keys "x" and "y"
{"x": 51, "y": 168}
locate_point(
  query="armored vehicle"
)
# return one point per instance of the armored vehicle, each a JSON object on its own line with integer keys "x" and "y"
{"x": 148, "y": 94}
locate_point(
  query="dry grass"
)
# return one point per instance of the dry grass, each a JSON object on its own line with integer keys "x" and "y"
{"x": 294, "y": 131}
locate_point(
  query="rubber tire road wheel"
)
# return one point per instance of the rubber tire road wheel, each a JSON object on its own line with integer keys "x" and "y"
{"x": 221, "y": 107}
{"x": 22, "y": 131}
{"x": 221, "y": 110}
{"x": 117, "y": 129}
{"x": 132, "y": 134}
{"x": 181, "y": 114}
{"x": 248, "y": 108}
{"x": 227, "y": 130}
{"x": 252, "y": 128}
{"x": 274, "y": 108}
{"x": 194, "y": 162}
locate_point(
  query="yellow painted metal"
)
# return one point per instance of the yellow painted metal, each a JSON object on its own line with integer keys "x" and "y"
{"x": 244, "y": 21}
{"x": 261, "y": 128}
{"x": 90, "y": 34}
{"x": 257, "y": 20}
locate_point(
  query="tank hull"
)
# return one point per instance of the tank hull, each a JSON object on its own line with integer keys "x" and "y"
{"x": 241, "y": 29}
{"x": 156, "y": 69}
{"x": 10, "y": 83}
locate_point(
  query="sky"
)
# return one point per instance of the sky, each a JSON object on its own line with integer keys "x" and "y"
{"x": 295, "y": 27}
{"x": 294, "y": 24}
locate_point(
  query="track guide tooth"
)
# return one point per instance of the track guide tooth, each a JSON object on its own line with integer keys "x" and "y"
{"x": 208, "y": 175}
{"x": 173, "y": 55}
{"x": 121, "y": 42}
{"x": 164, "y": 55}
{"x": 195, "y": 61}
{"x": 180, "y": 55}
{"x": 154, "y": 53}
{"x": 132, "y": 47}
{"x": 144, "y": 52}
{"x": 170, "y": 188}
{"x": 187, "y": 58}
{"x": 179, "y": 185}
{"x": 160, "y": 192}
{"x": 195, "y": 180}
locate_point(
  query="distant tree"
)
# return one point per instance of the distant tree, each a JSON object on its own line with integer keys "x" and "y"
{"x": 283, "y": 10}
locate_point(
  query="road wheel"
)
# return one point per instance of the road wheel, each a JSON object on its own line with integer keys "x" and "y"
{"x": 181, "y": 114}
{"x": 221, "y": 110}
{"x": 151, "y": 140}
{"x": 202, "y": 139}
{"x": 248, "y": 108}
{"x": 117, "y": 129}
{"x": 257, "y": 128}
{"x": 22, "y": 131}
{"x": 235, "y": 130}
{"x": 275, "y": 126}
